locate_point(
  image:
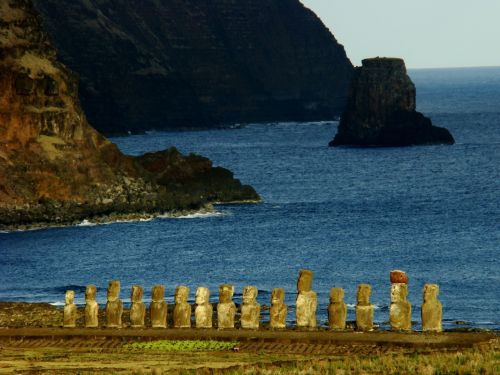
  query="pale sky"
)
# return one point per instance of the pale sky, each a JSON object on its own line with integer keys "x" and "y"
{"x": 426, "y": 33}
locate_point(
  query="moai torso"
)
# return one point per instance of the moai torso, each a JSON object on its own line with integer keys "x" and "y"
{"x": 226, "y": 309}
{"x": 278, "y": 309}
{"x": 432, "y": 310}
{"x": 182, "y": 309}
{"x": 91, "y": 307}
{"x": 337, "y": 310}
{"x": 250, "y": 309}
{"x": 138, "y": 308}
{"x": 70, "y": 311}
{"x": 364, "y": 310}
{"x": 204, "y": 310}
{"x": 114, "y": 306}
{"x": 158, "y": 308}
{"x": 400, "y": 310}
{"x": 307, "y": 301}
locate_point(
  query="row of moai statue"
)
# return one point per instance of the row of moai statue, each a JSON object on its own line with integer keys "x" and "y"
{"x": 306, "y": 307}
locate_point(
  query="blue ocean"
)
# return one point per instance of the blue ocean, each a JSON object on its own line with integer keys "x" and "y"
{"x": 349, "y": 214}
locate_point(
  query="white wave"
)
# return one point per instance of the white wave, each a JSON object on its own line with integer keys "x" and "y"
{"x": 86, "y": 223}
{"x": 57, "y": 303}
{"x": 201, "y": 215}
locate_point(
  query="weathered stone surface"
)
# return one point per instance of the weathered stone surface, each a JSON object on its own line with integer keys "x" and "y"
{"x": 199, "y": 63}
{"x": 250, "y": 309}
{"x": 204, "y": 310}
{"x": 337, "y": 310}
{"x": 226, "y": 309}
{"x": 364, "y": 310}
{"x": 158, "y": 309}
{"x": 381, "y": 109}
{"x": 91, "y": 307}
{"x": 399, "y": 277}
{"x": 307, "y": 301}
{"x": 70, "y": 310}
{"x": 114, "y": 306}
{"x": 138, "y": 308}
{"x": 432, "y": 310}
{"x": 278, "y": 310}
{"x": 56, "y": 169}
{"x": 400, "y": 310}
{"x": 182, "y": 309}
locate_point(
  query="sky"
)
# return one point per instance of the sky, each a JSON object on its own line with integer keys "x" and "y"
{"x": 426, "y": 33}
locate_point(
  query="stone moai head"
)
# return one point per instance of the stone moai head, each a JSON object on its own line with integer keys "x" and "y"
{"x": 431, "y": 292}
{"x": 90, "y": 293}
{"x": 336, "y": 295}
{"x": 69, "y": 297}
{"x": 137, "y": 293}
{"x": 364, "y": 293}
{"x": 226, "y": 292}
{"x": 181, "y": 294}
{"x": 304, "y": 283}
{"x": 278, "y": 296}
{"x": 113, "y": 290}
{"x": 399, "y": 292}
{"x": 202, "y": 295}
{"x": 158, "y": 293}
{"x": 250, "y": 294}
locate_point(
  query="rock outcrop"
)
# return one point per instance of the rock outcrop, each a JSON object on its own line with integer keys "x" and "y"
{"x": 195, "y": 64}
{"x": 55, "y": 168}
{"x": 381, "y": 109}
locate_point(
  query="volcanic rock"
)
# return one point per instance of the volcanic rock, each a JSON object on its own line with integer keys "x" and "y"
{"x": 381, "y": 109}
{"x": 188, "y": 64}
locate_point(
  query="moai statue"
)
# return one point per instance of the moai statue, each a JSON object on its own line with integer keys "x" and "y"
{"x": 278, "y": 309}
{"x": 138, "y": 308}
{"x": 307, "y": 301}
{"x": 114, "y": 306}
{"x": 250, "y": 310}
{"x": 364, "y": 310}
{"x": 91, "y": 307}
{"x": 182, "y": 310}
{"x": 226, "y": 309}
{"x": 204, "y": 310}
{"x": 70, "y": 310}
{"x": 337, "y": 310}
{"x": 400, "y": 310}
{"x": 158, "y": 308}
{"x": 432, "y": 310}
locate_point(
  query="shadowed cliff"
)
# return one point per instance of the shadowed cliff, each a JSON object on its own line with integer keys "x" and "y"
{"x": 192, "y": 64}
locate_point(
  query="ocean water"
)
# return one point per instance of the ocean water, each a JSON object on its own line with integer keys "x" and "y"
{"x": 349, "y": 214}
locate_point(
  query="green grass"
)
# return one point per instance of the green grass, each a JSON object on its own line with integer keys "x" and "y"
{"x": 184, "y": 346}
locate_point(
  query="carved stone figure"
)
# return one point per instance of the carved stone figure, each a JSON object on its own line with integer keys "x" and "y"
{"x": 400, "y": 310}
{"x": 250, "y": 309}
{"x": 70, "y": 310}
{"x": 158, "y": 308}
{"x": 91, "y": 307}
{"x": 182, "y": 310}
{"x": 337, "y": 310}
{"x": 278, "y": 309}
{"x": 364, "y": 310}
{"x": 226, "y": 309}
{"x": 138, "y": 308}
{"x": 114, "y": 306}
{"x": 432, "y": 310}
{"x": 204, "y": 310}
{"x": 307, "y": 301}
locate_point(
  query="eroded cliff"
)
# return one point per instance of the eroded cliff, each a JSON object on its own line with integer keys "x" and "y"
{"x": 54, "y": 167}
{"x": 186, "y": 64}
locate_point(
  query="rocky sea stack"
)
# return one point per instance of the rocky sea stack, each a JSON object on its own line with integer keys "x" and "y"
{"x": 381, "y": 109}
{"x": 56, "y": 169}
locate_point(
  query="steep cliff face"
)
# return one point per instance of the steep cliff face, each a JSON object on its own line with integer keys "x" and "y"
{"x": 54, "y": 167}
{"x": 381, "y": 109}
{"x": 183, "y": 63}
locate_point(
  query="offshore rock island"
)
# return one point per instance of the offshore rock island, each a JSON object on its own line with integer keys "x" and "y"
{"x": 56, "y": 169}
{"x": 198, "y": 64}
{"x": 381, "y": 109}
